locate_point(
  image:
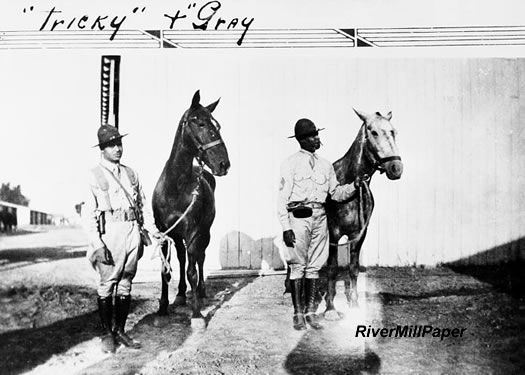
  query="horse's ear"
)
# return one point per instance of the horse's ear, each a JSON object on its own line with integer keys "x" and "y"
{"x": 196, "y": 99}
{"x": 363, "y": 116}
{"x": 389, "y": 116}
{"x": 212, "y": 106}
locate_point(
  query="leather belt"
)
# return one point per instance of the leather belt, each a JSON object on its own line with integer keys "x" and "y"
{"x": 313, "y": 205}
{"x": 120, "y": 215}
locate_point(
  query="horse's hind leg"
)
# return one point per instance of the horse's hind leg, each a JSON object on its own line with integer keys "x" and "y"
{"x": 180, "y": 298}
{"x": 331, "y": 313}
{"x": 163, "y": 303}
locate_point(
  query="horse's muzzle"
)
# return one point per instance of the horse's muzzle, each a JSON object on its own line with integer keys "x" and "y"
{"x": 394, "y": 169}
{"x": 223, "y": 168}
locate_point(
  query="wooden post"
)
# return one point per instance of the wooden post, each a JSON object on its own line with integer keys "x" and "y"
{"x": 109, "y": 90}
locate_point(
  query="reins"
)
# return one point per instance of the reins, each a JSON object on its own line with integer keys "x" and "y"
{"x": 165, "y": 259}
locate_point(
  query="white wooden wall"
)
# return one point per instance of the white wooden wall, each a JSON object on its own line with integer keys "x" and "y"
{"x": 460, "y": 124}
{"x": 461, "y": 197}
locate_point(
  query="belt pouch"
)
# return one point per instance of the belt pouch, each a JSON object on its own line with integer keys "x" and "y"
{"x": 302, "y": 212}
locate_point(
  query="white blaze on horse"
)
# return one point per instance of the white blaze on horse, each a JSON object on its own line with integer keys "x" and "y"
{"x": 184, "y": 202}
{"x": 374, "y": 149}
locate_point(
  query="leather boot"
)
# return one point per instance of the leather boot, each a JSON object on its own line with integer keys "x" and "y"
{"x": 311, "y": 292}
{"x": 298, "y": 305}
{"x": 122, "y": 304}
{"x": 105, "y": 311}
{"x": 287, "y": 282}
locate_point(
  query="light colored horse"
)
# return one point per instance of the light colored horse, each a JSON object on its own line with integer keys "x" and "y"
{"x": 374, "y": 149}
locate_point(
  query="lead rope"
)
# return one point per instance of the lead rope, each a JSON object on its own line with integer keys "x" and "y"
{"x": 165, "y": 259}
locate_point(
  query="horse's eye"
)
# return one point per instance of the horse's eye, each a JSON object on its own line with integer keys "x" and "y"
{"x": 374, "y": 133}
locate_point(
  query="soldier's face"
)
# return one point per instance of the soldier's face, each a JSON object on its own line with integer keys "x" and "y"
{"x": 311, "y": 143}
{"x": 113, "y": 151}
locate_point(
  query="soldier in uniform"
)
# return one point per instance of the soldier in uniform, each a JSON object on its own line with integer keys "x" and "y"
{"x": 306, "y": 181}
{"x": 118, "y": 221}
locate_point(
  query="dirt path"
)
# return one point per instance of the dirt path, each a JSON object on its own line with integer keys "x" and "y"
{"x": 49, "y": 324}
{"x": 252, "y": 334}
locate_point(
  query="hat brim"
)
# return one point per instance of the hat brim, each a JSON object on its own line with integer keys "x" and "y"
{"x": 307, "y": 135}
{"x": 112, "y": 140}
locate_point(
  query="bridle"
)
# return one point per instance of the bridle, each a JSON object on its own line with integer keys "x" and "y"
{"x": 377, "y": 162}
{"x": 201, "y": 148}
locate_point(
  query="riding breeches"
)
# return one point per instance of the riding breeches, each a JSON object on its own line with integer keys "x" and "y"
{"x": 123, "y": 241}
{"x": 310, "y": 251}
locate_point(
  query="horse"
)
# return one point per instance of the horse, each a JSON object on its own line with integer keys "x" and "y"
{"x": 8, "y": 220}
{"x": 374, "y": 149}
{"x": 184, "y": 197}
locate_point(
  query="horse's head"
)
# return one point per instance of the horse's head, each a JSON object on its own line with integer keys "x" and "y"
{"x": 204, "y": 133}
{"x": 380, "y": 138}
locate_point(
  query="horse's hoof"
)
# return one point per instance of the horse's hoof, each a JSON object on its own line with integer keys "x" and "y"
{"x": 163, "y": 311}
{"x": 198, "y": 323}
{"x": 163, "y": 308}
{"x": 333, "y": 315}
{"x": 180, "y": 301}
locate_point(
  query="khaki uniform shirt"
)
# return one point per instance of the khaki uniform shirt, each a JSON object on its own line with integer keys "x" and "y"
{"x": 308, "y": 178}
{"x": 95, "y": 200}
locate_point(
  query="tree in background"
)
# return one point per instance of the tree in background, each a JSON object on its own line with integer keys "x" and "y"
{"x": 13, "y": 195}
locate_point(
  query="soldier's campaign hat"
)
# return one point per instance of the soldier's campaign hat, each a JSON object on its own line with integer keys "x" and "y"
{"x": 305, "y": 128}
{"x": 107, "y": 134}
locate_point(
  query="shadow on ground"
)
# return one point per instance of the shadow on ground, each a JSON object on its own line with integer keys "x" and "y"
{"x": 507, "y": 277}
{"x": 317, "y": 353}
{"x": 23, "y": 349}
{"x": 501, "y": 266}
{"x": 10, "y": 258}
{"x": 58, "y": 318}
{"x": 164, "y": 334}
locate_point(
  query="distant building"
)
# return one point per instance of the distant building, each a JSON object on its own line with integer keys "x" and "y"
{"x": 24, "y": 215}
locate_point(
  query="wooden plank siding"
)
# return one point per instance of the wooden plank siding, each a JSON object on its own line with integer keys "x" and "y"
{"x": 461, "y": 136}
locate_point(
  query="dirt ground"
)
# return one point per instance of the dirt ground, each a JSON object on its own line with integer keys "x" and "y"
{"x": 48, "y": 322}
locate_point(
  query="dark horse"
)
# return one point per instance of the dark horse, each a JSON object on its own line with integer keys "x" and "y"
{"x": 8, "y": 220}
{"x": 181, "y": 183}
{"x": 374, "y": 149}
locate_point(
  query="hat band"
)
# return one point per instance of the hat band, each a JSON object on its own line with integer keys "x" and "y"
{"x": 309, "y": 134}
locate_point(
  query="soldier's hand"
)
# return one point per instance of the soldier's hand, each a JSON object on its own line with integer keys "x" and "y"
{"x": 159, "y": 236}
{"x": 103, "y": 255}
{"x": 289, "y": 238}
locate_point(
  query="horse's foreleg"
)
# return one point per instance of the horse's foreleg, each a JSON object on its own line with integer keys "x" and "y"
{"x": 201, "y": 245}
{"x": 201, "y": 287}
{"x": 351, "y": 282}
{"x": 331, "y": 313}
{"x": 180, "y": 299}
{"x": 193, "y": 278}
{"x": 163, "y": 303}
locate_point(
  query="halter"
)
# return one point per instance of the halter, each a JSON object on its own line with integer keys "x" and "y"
{"x": 200, "y": 147}
{"x": 377, "y": 162}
